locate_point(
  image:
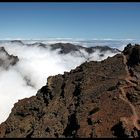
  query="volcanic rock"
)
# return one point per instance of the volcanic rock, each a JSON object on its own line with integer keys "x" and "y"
{"x": 91, "y": 101}
{"x": 133, "y": 53}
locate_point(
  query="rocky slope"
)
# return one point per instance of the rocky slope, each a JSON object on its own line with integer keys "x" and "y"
{"x": 97, "y": 99}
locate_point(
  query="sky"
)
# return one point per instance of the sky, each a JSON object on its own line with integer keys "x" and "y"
{"x": 42, "y": 20}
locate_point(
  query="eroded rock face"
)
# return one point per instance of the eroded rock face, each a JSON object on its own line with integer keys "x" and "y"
{"x": 92, "y": 100}
{"x": 7, "y": 60}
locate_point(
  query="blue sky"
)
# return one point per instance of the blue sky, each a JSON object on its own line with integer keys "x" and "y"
{"x": 69, "y": 20}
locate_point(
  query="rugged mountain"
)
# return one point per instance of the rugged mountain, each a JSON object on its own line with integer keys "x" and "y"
{"x": 65, "y": 48}
{"x": 7, "y": 60}
{"x": 68, "y": 47}
{"x": 97, "y": 99}
{"x": 102, "y": 49}
{"x": 17, "y": 42}
{"x": 38, "y": 44}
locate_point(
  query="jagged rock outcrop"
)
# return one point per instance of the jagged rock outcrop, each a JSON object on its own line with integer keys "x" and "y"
{"x": 7, "y": 60}
{"x": 133, "y": 54}
{"x": 97, "y": 99}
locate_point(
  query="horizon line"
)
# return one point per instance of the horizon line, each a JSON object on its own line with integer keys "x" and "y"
{"x": 74, "y": 39}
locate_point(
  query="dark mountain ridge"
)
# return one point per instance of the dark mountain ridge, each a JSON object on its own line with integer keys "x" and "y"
{"x": 68, "y": 47}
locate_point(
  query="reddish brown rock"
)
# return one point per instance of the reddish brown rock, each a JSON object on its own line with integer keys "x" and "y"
{"x": 93, "y": 100}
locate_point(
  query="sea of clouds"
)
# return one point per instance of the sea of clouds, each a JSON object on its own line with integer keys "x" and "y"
{"x": 37, "y": 63}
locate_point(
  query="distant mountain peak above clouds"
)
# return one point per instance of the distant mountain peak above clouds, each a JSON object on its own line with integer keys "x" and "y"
{"x": 68, "y": 47}
{"x": 17, "y": 42}
{"x": 87, "y": 43}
